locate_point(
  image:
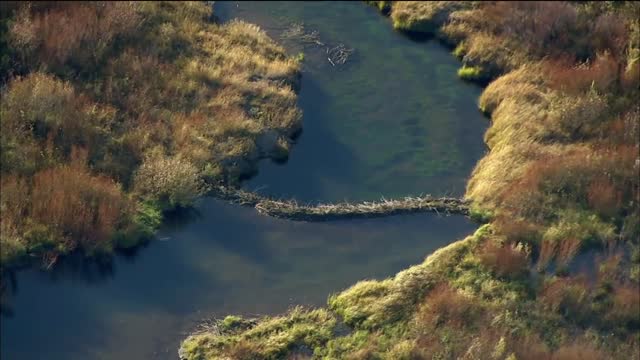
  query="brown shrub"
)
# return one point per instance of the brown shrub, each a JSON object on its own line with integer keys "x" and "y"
{"x": 546, "y": 254}
{"x": 600, "y": 75}
{"x": 245, "y": 350}
{"x": 516, "y": 230}
{"x": 529, "y": 347}
{"x": 578, "y": 351}
{"x": 549, "y": 175}
{"x": 554, "y": 28}
{"x": 631, "y": 76}
{"x": 626, "y": 306}
{"x": 14, "y": 198}
{"x": 539, "y": 25}
{"x": 505, "y": 260}
{"x": 568, "y": 296}
{"x": 172, "y": 180}
{"x": 603, "y": 197}
{"x": 42, "y": 109}
{"x": 79, "y": 206}
{"x": 522, "y": 196}
{"x": 559, "y": 179}
{"x": 609, "y": 267}
{"x": 622, "y": 164}
{"x": 54, "y": 34}
{"x": 139, "y": 83}
{"x": 609, "y": 33}
{"x": 566, "y": 249}
{"x": 445, "y": 305}
{"x": 625, "y": 129}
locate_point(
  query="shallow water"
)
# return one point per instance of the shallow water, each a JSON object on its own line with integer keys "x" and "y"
{"x": 395, "y": 121}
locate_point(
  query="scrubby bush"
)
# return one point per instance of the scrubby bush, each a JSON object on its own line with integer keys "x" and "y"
{"x": 125, "y": 80}
{"x": 570, "y": 297}
{"x": 505, "y": 260}
{"x": 579, "y": 351}
{"x": 572, "y": 231}
{"x": 82, "y": 208}
{"x": 45, "y": 115}
{"x": 625, "y": 310}
{"x": 170, "y": 180}
{"x": 444, "y": 305}
{"x": 81, "y": 34}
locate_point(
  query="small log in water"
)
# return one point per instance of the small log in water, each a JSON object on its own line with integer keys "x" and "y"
{"x": 291, "y": 210}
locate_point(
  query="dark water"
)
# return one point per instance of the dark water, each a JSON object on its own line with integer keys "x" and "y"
{"x": 395, "y": 121}
{"x": 230, "y": 260}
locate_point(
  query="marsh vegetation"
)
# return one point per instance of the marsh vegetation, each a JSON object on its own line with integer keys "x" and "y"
{"x": 560, "y": 184}
{"x": 113, "y": 113}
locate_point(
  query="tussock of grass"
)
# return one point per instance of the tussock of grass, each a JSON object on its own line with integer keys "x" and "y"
{"x": 423, "y": 16}
{"x": 271, "y": 338}
{"x": 471, "y": 73}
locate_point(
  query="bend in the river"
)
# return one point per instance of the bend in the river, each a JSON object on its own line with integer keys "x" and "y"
{"x": 393, "y": 121}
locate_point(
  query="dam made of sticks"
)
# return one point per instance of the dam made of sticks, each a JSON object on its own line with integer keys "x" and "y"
{"x": 291, "y": 210}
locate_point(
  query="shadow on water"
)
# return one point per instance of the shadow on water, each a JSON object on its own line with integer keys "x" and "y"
{"x": 418, "y": 37}
{"x": 315, "y": 150}
{"x": 181, "y": 217}
{"x": 8, "y": 287}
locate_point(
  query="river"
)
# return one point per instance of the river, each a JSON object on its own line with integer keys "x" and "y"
{"x": 393, "y": 121}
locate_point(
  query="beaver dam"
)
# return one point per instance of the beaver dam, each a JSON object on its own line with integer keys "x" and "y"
{"x": 291, "y": 210}
{"x": 358, "y": 143}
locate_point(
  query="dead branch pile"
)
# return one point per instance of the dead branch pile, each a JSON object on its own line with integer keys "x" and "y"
{"x": 291, "y": 210}
{"x": 336, "y": 55}
{"x": 339, "y": 55}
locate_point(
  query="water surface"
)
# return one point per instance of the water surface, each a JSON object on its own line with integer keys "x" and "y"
{"x": 395, "y": 121}
{"x": 228, "y": 260}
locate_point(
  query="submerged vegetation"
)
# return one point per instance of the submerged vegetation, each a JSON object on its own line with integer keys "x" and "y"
{"x": 555, "y": 274}
{"x": 115, "y": 112}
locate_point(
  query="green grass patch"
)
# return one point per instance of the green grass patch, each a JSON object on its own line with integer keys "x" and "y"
{"x": 471, "y": 73}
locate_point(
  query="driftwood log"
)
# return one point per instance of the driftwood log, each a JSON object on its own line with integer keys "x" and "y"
{"x": 291, "y": 210}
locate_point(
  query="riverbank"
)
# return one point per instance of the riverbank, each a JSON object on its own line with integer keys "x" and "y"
{"x": 561, "y": 178}
{"x": 134, "y": 112}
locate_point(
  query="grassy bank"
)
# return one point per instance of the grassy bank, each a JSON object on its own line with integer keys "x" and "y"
{"x": 115, "y": 113}
{"x": 555, "y": 274}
